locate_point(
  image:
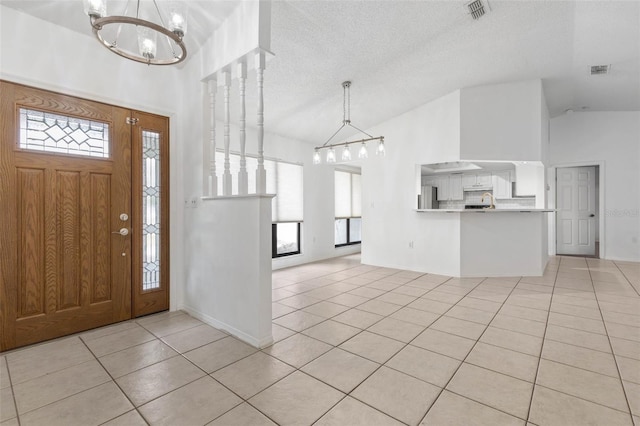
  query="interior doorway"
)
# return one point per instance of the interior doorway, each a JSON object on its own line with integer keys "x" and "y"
{"x": 577, "y": 211}
{"x": 84, "y": 218}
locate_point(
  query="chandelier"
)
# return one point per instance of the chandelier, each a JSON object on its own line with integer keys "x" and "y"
{"x": 346, "y": 121}
{"x": 134, "y": 33}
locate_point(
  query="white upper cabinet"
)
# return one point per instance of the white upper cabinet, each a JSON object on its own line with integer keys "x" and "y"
{"x": 476, "y": 179}
{"x": 502, "y": 184}
{"x": 455, "y": 188}
{"x": 450, "y": 187}
{"x": 468, "y": 180}
{"x": 483, "y": 179}
{"x": 442, "y": 183}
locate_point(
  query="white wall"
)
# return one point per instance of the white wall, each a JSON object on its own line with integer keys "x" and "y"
{"x": 428, "y": 134}
{"x": 612, "y": 139}
{"x": 502, "y": 121}
{"x": 228, "y": 275}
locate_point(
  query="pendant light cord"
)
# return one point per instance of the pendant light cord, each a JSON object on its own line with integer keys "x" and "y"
{"x": 346, "y": 112}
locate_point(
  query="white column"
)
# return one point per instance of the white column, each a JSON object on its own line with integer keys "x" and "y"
{"x": 261, "y": 174}
{"x": 213, "y": 178}
{"x": 243, "y": 184}
{"x": 226, "y": 177}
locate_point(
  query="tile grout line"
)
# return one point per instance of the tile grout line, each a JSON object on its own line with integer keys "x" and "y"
{"x": 15, "y": 403}
{"x": 116, "y": 383}
{"x": 471, "y": 350}
{"x": 544, "y": 335}
{"x": 380, "y": 365}
{"x": 613, "y": 354}
{"x": 346, "y": 394}
{"x": 623, "y": 274}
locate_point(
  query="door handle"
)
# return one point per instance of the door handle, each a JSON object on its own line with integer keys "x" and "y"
{"x": 122, "y": 231}
{"x": 592, "y": 215}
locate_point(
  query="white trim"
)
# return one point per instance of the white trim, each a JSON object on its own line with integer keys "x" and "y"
{"x": 601, "y": 203}
{"x": 253, "y": 341}
{"x": 235, "y": 197}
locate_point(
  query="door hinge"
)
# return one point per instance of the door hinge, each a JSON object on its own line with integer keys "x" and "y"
{"x": 131, "y": 120}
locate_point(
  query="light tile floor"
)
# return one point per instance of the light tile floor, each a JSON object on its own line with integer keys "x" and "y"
{"x": 359, "y": 345}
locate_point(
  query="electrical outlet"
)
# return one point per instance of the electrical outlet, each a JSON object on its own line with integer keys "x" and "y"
{"x": 410, "y": 244}
{"x": 187, "y": 203}
{"x": 194, "y": 202}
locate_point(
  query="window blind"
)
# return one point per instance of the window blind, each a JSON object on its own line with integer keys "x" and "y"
{"x": 283, "y": 179}
{"x": 348, "y": 198}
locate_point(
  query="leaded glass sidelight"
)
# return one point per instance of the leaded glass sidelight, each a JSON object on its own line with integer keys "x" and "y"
{"x": 150, "y": 210}
{"x": 61, "y": 134}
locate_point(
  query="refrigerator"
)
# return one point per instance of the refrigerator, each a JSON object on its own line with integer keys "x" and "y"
{"x": 428, "y": 199}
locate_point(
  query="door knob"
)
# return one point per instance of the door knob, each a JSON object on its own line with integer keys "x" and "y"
{"x": 122, "y": 231}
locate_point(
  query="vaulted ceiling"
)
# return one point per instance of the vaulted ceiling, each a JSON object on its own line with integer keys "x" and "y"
{"x": 401, "y": 54}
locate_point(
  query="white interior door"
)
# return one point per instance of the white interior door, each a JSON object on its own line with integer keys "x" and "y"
{"x": 576, "y": 215}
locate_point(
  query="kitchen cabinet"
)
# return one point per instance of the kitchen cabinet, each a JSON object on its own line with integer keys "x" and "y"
{"x": 476, "y": 179}
{"x": 484, "y": 179}
{"x": 455, "y": 188}
{"x": 429, "y": 180}
{"x": 449, "y": 187}
{"x": 502, "y": 185}
{"x": 442, "y": 183}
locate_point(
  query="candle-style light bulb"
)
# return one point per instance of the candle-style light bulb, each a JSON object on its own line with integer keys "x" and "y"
{"x": 147, "y": 42}
{"x": 178, "y": 18}
{"x": 362, "y": 153}
{"x": 331, "y": 155}
{"x": 346, "y": 153}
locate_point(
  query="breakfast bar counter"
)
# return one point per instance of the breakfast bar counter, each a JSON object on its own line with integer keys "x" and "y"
{"x": 491, "y": 242}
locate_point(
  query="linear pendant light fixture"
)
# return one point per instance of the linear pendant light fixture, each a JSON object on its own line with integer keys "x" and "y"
{"x": 134, "y": 33}
{"x": 346, "y": 121}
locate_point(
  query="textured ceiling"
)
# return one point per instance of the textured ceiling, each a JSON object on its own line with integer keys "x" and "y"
{"x": 401, "y": 54}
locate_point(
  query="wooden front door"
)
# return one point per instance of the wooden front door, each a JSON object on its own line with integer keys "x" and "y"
{"x": 67, "y": 224}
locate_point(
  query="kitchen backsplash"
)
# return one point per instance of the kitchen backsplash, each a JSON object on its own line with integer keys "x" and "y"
{"x": 475, "y": 197}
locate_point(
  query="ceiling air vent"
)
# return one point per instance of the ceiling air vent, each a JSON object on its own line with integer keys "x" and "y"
{"x": 477, "y": 9}
{"x": 600, "y": 69}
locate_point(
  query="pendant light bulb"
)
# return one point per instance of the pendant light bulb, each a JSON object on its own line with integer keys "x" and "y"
{"x": 380, "y": 151}
{"x": 346, "y": 153}
{"x": 362, "y": 153}
{"x": 331, "y": 155}
{"x": 316, "y": 157}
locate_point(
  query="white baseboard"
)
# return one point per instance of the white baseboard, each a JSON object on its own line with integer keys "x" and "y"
{"x": 251, "y": 340}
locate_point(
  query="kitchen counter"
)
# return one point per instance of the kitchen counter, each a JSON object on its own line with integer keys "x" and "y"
{"x": 484, "y": 210}
{"x": 484, "y": 242}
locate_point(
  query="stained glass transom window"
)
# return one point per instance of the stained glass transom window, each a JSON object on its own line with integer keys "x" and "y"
{"x": 44, "y": 131}
{"x": 150, "y": 210}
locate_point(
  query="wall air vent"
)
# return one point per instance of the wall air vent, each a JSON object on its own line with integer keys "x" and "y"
{"x": 477, "y": 9}
{"x": 600, "y": 69}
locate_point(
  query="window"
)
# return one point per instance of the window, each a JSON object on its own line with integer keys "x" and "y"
{"x": 61, "y": 134}
{"x": 150, "y": 210}
{"x": 285, "y": 239}
{"x": 283, "y": 179}
{"x": 348, "y": 211}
